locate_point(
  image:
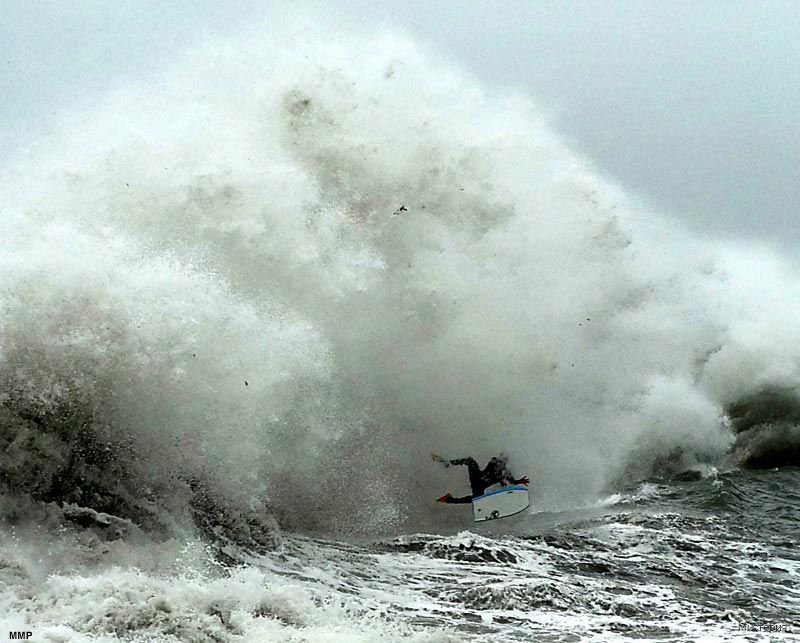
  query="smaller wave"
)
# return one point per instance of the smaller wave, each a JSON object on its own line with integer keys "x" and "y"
{"x": 644, "y": 492}
{"x": 465, "y": 546}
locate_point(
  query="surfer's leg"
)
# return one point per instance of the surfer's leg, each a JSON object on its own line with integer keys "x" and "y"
{"x": 467, "y": 462}
{"x": 475, "y": 478}
{"x": 473, "y": 470}
{"x": 463, "y": 500}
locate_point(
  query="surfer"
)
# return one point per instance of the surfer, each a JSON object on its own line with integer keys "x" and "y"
{"x": 496, "y": 471}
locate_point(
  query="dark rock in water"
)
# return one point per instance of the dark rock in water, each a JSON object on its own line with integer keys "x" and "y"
{"x": 767, "y": 424}
{"x": 62, "y": 456}
{"x": 73, "y": 464}
{"x": 769, "y": 446}
{"x": 768, "y": 406}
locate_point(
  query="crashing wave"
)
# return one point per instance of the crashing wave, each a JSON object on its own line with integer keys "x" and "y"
{"x": 284, "y": 282}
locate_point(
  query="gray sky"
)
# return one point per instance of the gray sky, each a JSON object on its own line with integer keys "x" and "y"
{"x": 691, "y": 106}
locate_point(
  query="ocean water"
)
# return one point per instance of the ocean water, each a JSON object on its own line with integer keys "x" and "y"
{"x": 242, "y": 300}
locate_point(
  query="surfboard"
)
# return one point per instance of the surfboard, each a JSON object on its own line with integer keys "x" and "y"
{"x": 501, "y": 503}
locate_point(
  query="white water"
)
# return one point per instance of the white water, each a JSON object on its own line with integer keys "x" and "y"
{"x": 212, "y": 274}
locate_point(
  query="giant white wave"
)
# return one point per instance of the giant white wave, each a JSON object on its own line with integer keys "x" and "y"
{"x": 294, "y": 264}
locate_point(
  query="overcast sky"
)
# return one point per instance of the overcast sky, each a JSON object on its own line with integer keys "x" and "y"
{"x": 692, "y": 106}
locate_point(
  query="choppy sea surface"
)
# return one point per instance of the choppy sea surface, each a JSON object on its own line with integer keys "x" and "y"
{"x": 711, "y": 559}
{"x": 242, "y": 299}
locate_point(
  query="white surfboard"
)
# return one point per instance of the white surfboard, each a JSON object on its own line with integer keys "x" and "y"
{"x": 501, "y": 503}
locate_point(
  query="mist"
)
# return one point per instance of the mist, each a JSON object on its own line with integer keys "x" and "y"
{"x": 690, "y": 106}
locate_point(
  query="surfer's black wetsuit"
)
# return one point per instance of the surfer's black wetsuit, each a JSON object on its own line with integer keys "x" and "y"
{"x": 495, "y": 472}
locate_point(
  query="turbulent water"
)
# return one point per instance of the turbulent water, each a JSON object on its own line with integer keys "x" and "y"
{"x": 242, "y": 301}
